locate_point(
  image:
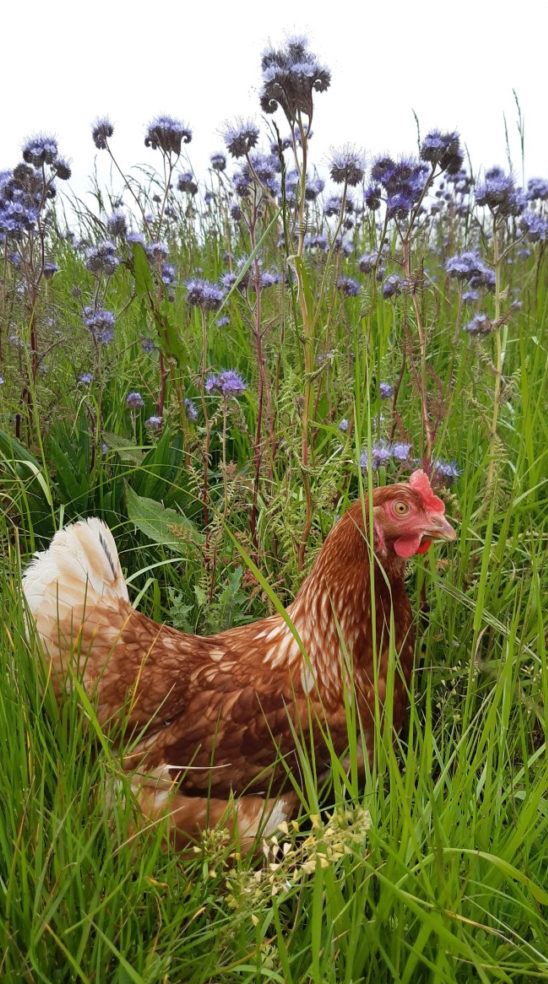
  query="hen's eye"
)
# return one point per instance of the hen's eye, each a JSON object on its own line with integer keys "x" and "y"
{"x": 401, "y": 508}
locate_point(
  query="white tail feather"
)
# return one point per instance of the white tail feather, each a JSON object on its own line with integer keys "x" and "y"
{"x": 80, "y": 567}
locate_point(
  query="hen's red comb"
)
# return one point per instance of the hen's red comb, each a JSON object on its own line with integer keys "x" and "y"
{"x": 420, "y": 482}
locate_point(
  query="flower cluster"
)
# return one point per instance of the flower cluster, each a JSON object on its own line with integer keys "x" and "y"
{"x": 101, "y": 324}
{"x": 167, "y": 135}
{"x": 470, "y": 268}
{"x": 347, "y": 167}
{"x": 443, "y": 150}
{"x": 479, "y": 325}
{"x": 382, "y": 453}
{"x": 102, "y": 258}
{"x": 403, "y": 182}
{"x": 134, "y": 400}
{"x": 25, "y": 190}
{"x": 290, "y": 76}
{"x": 101, "y": 131}
{"x": 204, "y": 294}
{"x": 500, "y": 194}
{"x": 534, "y": 226}
{"x": 228, "y": 382}
{"x": 240, "y": 138}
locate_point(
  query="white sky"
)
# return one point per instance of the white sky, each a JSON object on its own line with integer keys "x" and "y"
{"x": 455, "y": 63}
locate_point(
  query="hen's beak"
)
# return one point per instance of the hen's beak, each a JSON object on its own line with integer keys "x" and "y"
{"x": 438, "y": 528}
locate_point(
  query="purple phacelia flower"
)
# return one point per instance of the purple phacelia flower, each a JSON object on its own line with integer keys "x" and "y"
{"x": 290, "y": 76}
{"x": 241, "y": 137}
{"x": 218, "y": 161}
{"x": 537, "y": 189}
{"x": 134, "y": 400}
{"x": 400, "y": 450}
{"x": 204, "y": 294}
{"x": 228, "y": 382}
{"x": 442, "y": 149}
{"x": 348, "y": 286}
{"x": 167, "y": 135}
{"x": 347, "y": 167}
{"x": 386, "y": 391}
{"x": 117, "y": 225}
{"x": 49, "y": 270}
{"x": 102, "y": 258}
{"x": 191, "y": 409}
{"x": 39, "y": 151}
{"x": 499, "y": 193}
{"x": 534, "y": 226}
{"x": 186, "y": 182}
{"x": 343, "y": 426}
{"x": 102, "y": 130}
{"x": 479, "y": 325}
{"x": 101, "y": 324}
{"x": 86, "y": 378}
{"x": 153, "y": 423}
{"x": 469, "y": 267}
{"x": 445, "y": 472}
{"x": 393, "y": 285}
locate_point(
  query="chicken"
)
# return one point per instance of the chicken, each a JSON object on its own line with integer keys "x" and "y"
{"x": 214, "y": 721}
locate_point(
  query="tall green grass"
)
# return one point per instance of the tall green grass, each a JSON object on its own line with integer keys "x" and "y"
{"x": 434, "y": 868}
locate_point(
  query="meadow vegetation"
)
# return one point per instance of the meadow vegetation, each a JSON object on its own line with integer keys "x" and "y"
{"x": 217, "y": 366}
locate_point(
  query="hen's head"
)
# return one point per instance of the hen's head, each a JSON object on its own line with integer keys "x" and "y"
{"x": 408, "y": 516}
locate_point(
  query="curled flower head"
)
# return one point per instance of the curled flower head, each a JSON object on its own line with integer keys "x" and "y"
{"x": 117, "y": 225}
{"x": 102, "y": 258}
{"x": 101, "y": 324}
{"x": 228, "y": 382}
{"x": 241, "y": 137}
{"x": 186, "y": 182}
{"x": 368, "y": 261}
{"x": 393, "y": 285}
{"x": 349, "y": 287}
{"x": 469, "y": 267}
{"x": 347, "y": 167}
{"x": 444, "y": 472}
{"x": 372, "y": 197}
{"x": 204, "y": 294}
{"x": 442, "y": 149}
{"x": 534, "y": 226}
{"x": 191, "y": 409}
{"x": 499, "y": 193}
{"x": 39, "y": 151}
{"x": 134, "y": 400}
{"x": 153, "y": 423}
{"x": 167, "y": 134}
{"x": 62, "y": 169}
{"x": 537, "y": 188}
{"x": 218, "y": 161}
{"x": 290, "y": 76}
{"x": 102, "y": 130}
{"x": 479, "y": 325}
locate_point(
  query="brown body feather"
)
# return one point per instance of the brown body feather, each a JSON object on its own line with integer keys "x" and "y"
{"x": 214, "y": 713}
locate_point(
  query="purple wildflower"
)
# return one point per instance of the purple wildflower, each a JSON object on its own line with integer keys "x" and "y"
{"x": 241, "y": 137}
{"x": 186, "y": 182}
{"x": 479, "y": 325}
{"x": 400, "y": 450}
{"x": 343, "y": 426}
{"x": 40, "y": 151}
{"x": 442, "y": 149}
{"x": 537, "y": 188}
{"x": 102, "y": 130}
{"x": 86, "y": 378}
{"x": 349, "y": 287}
{"x": 534, "y": 226}
{"x": 134, "y": 400}
{"x": 204, "y": 294}
{"x": 101, "y": 324}
{"x": 228, "y": 382}
{"x": 347, "y": 167}
{"x": 386, "y": 391}
{"x": 153, "y": 423}
{"x": 445, "y": 472}
{"x": 469, "y": 267}
{"x": 499, "y": 193}
{"x": 102, "y": 258}
{"x": 167, "y": 134}
{"x": 191, "y": 409}
{"x": 290, "y": 76}
{"x": 218, "y": 161}
{"x": 117, "y": 225}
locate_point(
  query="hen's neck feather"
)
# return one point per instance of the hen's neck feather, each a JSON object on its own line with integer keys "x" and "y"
{"x": 334, "y": 604}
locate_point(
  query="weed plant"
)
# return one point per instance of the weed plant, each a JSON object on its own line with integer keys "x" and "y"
{"x": 217, "y": 368}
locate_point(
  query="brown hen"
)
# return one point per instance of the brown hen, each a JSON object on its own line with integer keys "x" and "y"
{"x": 214, "y": 719}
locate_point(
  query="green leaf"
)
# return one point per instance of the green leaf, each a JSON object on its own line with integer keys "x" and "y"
{"x": 161, "y": 525}
{"x": 141, "y": 271}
